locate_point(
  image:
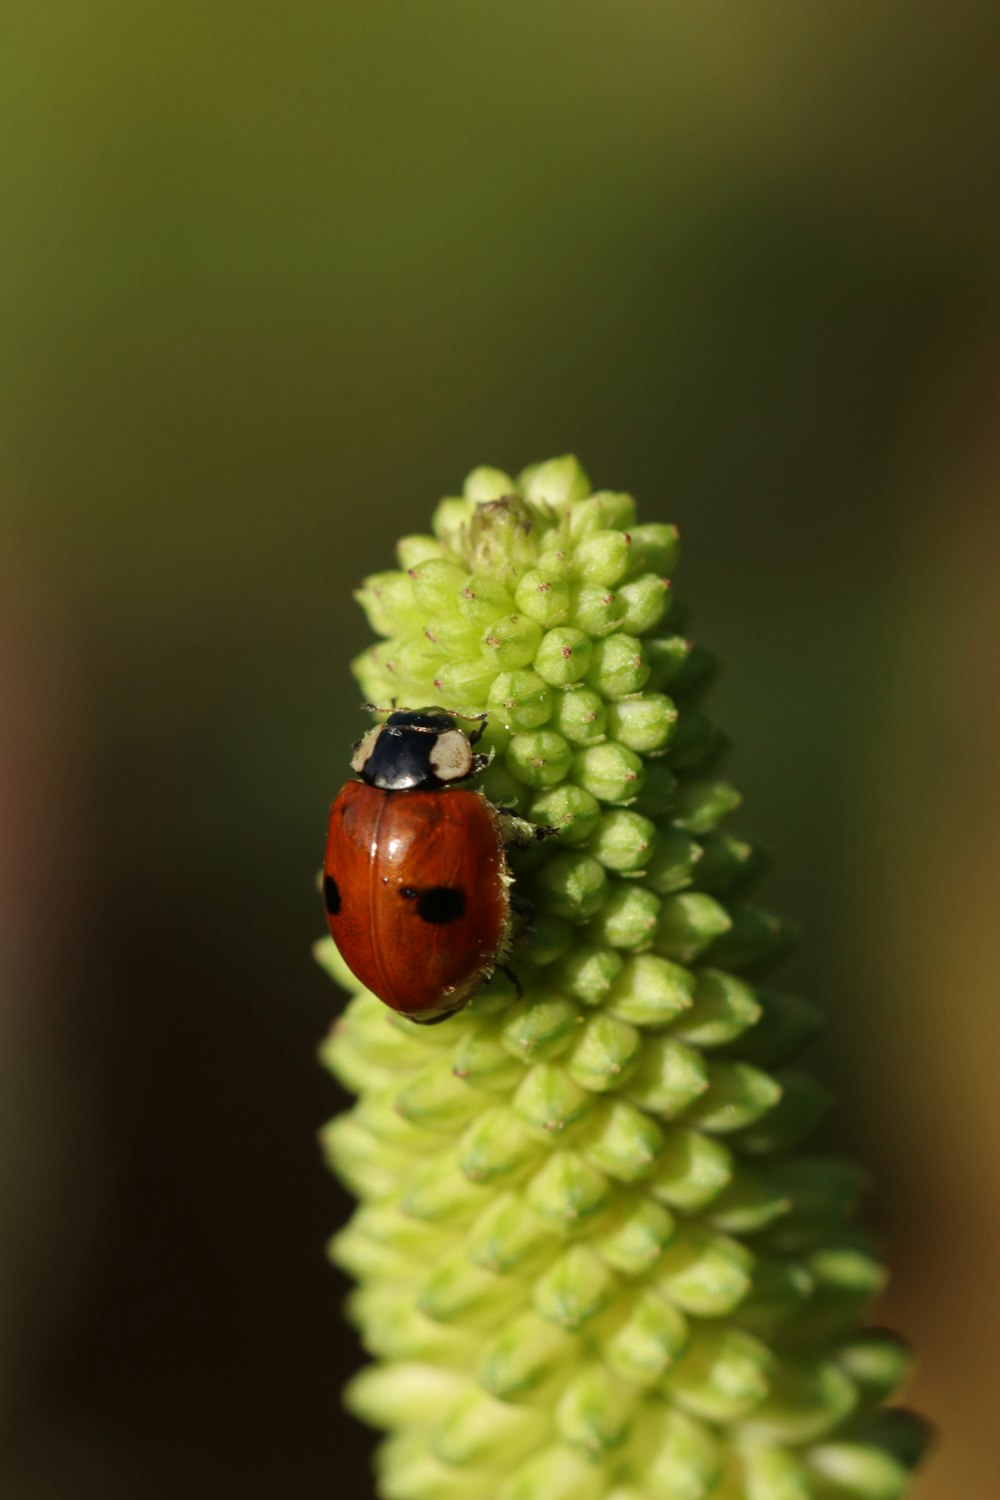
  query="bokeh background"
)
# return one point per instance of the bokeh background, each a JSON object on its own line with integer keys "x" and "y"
{"x": 273, "y": 279}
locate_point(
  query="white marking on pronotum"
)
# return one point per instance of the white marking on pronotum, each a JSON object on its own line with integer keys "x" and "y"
{"x": 364, "y": 748}
{"x": 451, "y": 756}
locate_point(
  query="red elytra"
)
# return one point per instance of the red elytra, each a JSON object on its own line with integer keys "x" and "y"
{"x": 415, "y": 891}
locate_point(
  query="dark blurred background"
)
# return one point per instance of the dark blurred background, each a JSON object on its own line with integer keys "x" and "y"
{"x": 273, "y": 279}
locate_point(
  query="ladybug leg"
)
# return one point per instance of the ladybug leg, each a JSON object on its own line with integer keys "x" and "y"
{"x": 518, "y": 986}
{"x": 522, "y": 914}
{"x": 519, "y": 831}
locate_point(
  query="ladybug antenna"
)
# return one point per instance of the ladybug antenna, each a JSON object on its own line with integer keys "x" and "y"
{"x": 478, "y": 719}
{"x": 454, "y": 713}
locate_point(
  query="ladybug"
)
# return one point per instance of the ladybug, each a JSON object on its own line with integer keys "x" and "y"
{"x": 415, "y": 877}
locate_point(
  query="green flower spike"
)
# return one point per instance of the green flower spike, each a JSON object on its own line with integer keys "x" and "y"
{"x": 594, "y": 1259}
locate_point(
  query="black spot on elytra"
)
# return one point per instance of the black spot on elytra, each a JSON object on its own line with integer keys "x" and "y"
{"x": 331, "y": 895}
{"x": 441, "y": 904}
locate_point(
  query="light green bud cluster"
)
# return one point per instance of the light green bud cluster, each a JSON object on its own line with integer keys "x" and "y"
{"x": 593, "y": 1260}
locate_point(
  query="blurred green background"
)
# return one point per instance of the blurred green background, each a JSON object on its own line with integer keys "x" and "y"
{"x": 273, "y": 279}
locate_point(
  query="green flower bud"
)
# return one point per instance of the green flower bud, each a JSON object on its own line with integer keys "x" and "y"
{"x": 631, "y": 1237}
{"x": 594, "y": 1262}
{"x": 575, "y": 1288}
{"x": 802, "y": 1104}
{"x": 856, "y": 1469}
{"x": 701, "y": 805}
{"x": 539, "y": 758}
{"x": 436, "y": 582}
{"x": 411, "y": 659}
{"x": 669, "y": 1077}
{"x": 462, "y": 684}
{"x": 644, "y": 723}
{"x": 389, "y": 603}
{"x": 548, "y": 1100}
{"x": 581, "y": 521}
{"x": 501, "y": 538}
{"x": 550, "y": 938}
{"x": 482, "y": 600}
{"x": 806, "y": 1401}
{"x": 724, "y": 1008}
{"x": 450, "y": 518}
{"x": 563, "y": 656}
{"x": 845, "y": 1281}
{"x": 526, "y": 1352}
{"x": 692, "y": 1170}
{"x": 596, "y": 610}
{"x": 651, "y": 991}
{"x": 511, "y": 641}
{"x": 520, "y": 700}
{"x": 618, "y": 667}
{"x": 689, "y": 923}
{"x": 579, "y": 716}
{"x": 495, "y": 1146}
{"x": 555, "y": 484}
{"x": 589, "y": 972}
{"x": 628, "y": 917}
{"x": 506, "y": 1235}
{"x": 738, "y": 1094}
{"x": 567, "y": 1191}
{"x": 610, "y": 772}
{"x": 571, "y": 885}
{"x": 543, "y": 597}
{"x": 876, "y": 1362}
{"x": 369, "y": 669}
{"x": 569, "y": 809}
{"x": 540, "y": 1028}
{"x": 603, "y": 557}
{"x": 451, "y": 635}
{"x": 438, "y": 1190}
{"x": 685, "y": 1455}
{"x": 556, "y": 1474}
{"x": 622, "y": 1141}
{"x": 375, "y": 1394}
{"x": 658, "y": 791}
{"x": 773, "y": 1474}
{"x": 456, "y": 1289}
{"x": 616, "y": 510}
{"x": 780, "y": 1288}
{"x": 655, "y": 549}
{"x": 479, "y": 1429}
{"x": 485, "y": 483}
{"x": 646, "y": 600}
{"x": 482, "y": 1062}
{"x": 749, "y": 1204}
{"x": 605, "y": 1053}
{"x": 723, "y": 1376}
{"x": 413, "y": 550}
{"x": 652, "y": 1338}
{"x": 705, "y": 1275}
{"x": 666, "y": 656}
{"x": 594, "y": 1412}
{"x": 436, "y": 1099}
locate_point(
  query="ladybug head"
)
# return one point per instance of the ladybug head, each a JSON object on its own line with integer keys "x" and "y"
{"x": 416, "y": 750}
